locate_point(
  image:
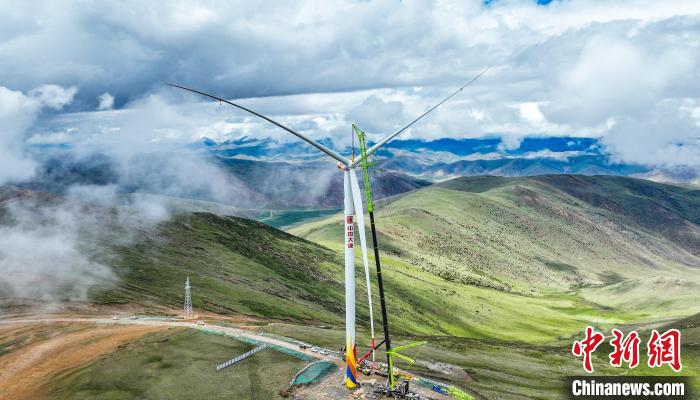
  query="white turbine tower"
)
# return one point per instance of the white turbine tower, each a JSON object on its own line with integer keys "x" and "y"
{"x": 352, "y": 208}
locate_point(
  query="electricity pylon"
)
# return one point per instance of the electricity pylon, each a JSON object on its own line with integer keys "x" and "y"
{"x": 188, "y": 300}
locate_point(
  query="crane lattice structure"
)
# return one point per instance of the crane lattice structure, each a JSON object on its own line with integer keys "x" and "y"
{"x": 188, "y": 313}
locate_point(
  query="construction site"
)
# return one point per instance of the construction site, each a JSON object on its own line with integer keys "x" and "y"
{"x": 397, "y": 385}
{"x": 317, "y": 379}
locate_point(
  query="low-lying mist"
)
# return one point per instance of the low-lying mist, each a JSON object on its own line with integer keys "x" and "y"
{"x": 55, "y": 249}
{"x": 71, "y": 188}
{"x": 64, "y": 204}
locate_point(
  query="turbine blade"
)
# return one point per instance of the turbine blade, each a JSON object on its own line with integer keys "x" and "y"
{"x": 270, "y": 120}
{"x": 393, "y": 135}
{"x": 360, "y": 216}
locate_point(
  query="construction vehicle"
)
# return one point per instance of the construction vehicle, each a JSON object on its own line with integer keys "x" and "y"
{"x": 365, "y": 368}
{"x": 400, "y": 391}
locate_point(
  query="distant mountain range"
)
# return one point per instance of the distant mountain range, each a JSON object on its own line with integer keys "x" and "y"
{"x": 257, "y": 184}
{"x": 293, "y": 175}
{"x": 443, "y": 158}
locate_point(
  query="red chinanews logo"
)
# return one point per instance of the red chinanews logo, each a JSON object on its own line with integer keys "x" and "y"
{"x": 662, "y": 349}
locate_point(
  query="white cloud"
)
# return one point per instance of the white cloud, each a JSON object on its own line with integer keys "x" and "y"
{"x": 531, "y": 113}
{"x": 18, "y": 112}
{"x": 510, "y": 142}
{"x": 696, "y": 115}
{"x": 580, "y": 68}
{"x": 377, "y": 115}
{"x": 106, "y": 101}
{"x": 49, "y": 138}
{"x": 53, "y": 96}
{"x": 478, "y": 115}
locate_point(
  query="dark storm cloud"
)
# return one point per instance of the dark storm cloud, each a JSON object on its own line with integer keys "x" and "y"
{"x": 236, "y": 49}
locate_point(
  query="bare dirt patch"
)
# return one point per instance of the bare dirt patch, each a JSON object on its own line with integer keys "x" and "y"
{"x": 453, "y": 371}
{"x": 27, "y": 369}
{"x": 332, "y": 388}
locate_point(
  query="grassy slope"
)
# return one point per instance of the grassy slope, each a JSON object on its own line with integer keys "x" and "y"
{"x": 515, "y": 370}
{"x": 512, "y": 335}
{"x": 240, "y": 266}
{"x": 578, "y": 248}
{"x": 535, "y": 235}
{"x": 178, "y": 364}
{"x": 284, "y": 219}
{"x": 235, "y": 265}
{"x": 524, "y": 237}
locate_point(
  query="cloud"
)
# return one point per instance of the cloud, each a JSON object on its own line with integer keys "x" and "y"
{"x": 56, "y": 270}
{"x": 59, "y": 249}
{"x": 137, "y": 148}
{"x": 667, "y": 136}
{"x": 376, "y": 115}
{"x": 617, "y": 76}
{"x": 530, "y": 112}
{"x": 106, "y": 101}
{"x": 53, "y": 96}
{"x": 18, "y": 111}
{"x": 510, "y": 142}
{"x": 589, "y": 67}
{"x": 478, "y": 115}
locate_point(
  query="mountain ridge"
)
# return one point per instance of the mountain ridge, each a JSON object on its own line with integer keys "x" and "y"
{"x": 534, "y": 234}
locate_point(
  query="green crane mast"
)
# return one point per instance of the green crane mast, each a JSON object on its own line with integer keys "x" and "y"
{"x": 366, "y": 164}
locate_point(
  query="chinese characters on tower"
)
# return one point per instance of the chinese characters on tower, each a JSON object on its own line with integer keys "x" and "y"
{"x": 349, "y": 235}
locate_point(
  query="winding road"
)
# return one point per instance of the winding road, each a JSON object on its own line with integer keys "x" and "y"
{"x": 225, "y": 330}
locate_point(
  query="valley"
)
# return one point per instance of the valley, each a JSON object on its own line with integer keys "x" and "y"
{"x": 499, "y": 275}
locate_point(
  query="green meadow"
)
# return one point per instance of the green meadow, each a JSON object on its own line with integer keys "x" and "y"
{"x": 499, "y": 275}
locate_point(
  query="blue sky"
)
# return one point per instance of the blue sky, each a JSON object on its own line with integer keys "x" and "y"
{"x": 626, "y": 72}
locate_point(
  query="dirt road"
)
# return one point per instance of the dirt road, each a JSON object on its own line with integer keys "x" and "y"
{"x": 229, "y": 331}
{"x": 25, "y": 370}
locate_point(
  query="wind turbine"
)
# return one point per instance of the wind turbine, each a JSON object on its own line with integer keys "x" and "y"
{"x": 352, "y": 206}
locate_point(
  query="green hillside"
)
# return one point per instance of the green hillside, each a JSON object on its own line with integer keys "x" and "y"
{"x": 243, "y": 267}
{"x": 535, "y": 235}
{"x": 177, "y": 364}
{"x": 236, "y": 266}
{"x": 481, "y": 257}
{"x": 497, "y": 274}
